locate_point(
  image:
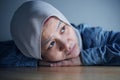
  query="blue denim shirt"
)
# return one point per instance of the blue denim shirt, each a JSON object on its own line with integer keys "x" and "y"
{"x": 10, "y": 56}
{"x": 99, "y": 48}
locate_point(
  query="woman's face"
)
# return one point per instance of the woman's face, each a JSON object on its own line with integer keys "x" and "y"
{"x": 59, "y": 41}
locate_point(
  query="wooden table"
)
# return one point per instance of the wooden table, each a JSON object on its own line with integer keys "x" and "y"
{"x": 61, "y": 73}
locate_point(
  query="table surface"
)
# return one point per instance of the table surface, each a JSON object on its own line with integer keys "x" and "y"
{"x": 61, "y": 73}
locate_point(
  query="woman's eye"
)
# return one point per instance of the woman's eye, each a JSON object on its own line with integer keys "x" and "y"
{"x": 51, "y": 44}
{"x": 62, "y": 30}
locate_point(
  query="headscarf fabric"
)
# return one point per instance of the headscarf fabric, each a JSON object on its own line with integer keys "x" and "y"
{"x": 27, "y": 23}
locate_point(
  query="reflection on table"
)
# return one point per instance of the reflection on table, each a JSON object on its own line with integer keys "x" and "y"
{"x": 61, "y": 73}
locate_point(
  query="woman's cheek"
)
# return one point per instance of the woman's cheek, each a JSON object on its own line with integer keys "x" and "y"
{"x": 57, "y": 56}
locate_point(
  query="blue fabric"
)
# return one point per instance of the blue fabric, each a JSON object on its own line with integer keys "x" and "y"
{"x": 10, "y": 56}
{"x": 99, "y": 47}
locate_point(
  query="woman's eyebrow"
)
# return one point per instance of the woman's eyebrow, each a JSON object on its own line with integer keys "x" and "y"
{"x": 49, "y": 39}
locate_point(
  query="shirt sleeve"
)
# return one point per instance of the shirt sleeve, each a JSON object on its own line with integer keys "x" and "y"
{"x": 100, "y": 47}
{"x": 10, "y": 56}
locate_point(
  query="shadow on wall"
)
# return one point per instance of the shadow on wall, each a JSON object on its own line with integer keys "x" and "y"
{"x": 105, "y": 13}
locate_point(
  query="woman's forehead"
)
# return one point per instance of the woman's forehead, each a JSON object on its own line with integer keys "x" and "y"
{"x": 49, "y": 27}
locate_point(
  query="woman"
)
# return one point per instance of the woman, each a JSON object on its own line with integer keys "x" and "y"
{"x": 42, "y": 33}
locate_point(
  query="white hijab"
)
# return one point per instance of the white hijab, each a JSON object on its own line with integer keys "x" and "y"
{"x": 27, "y": 23}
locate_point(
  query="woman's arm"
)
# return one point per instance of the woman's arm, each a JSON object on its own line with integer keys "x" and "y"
{"x": 69, "y": 62}
{"x": 100, "y": 47}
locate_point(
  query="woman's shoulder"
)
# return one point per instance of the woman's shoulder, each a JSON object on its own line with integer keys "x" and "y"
{"x": 87, "y": 28}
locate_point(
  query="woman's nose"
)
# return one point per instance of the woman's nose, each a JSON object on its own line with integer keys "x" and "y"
{"x": 64, "y": 44}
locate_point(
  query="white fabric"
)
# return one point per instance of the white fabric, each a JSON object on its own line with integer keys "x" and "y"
{"x": 27, "y": 23}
